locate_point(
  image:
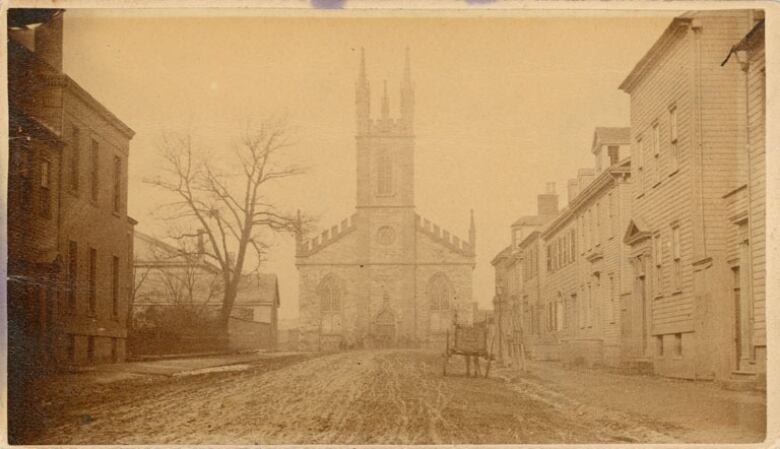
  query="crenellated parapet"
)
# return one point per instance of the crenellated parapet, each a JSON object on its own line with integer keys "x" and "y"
{"x": 325, "y": 238}
{"x": 444, "y": 236}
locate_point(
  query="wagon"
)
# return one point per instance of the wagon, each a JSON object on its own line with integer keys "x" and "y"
{"x": 470, "y": 342}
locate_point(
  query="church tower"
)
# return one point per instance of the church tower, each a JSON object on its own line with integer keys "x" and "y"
{"x": 385, "y": 145}
{"x": 385, "y": 203}
{"x": 385, "y": 275}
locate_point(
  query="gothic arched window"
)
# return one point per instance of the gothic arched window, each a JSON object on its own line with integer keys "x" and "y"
{"x": 330, "y": 293}
{"x": 439, "y": 291}
{"x": 440, "y": 296}
{"x": 384, "y": 175}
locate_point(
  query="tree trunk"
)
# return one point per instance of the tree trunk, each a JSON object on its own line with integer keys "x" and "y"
{"x": 227, "y": 306}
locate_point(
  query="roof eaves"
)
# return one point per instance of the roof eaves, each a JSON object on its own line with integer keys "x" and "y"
{"x": 655, "y": 51}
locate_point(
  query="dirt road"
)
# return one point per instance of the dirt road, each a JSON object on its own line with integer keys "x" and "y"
{"x": 392, "y": 397}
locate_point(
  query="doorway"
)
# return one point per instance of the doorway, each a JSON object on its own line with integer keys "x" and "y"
{"x": 384, "y": 329}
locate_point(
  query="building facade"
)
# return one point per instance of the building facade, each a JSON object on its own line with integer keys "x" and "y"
{"x": 79, "y": 234}
{"x": 746, "y": 213}
{"x": 588, "y": 266}
{"x": 385, "y": 276}
{"x": 688, "y": 144}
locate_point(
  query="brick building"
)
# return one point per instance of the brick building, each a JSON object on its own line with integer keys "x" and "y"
{"x": 385, "y": 276}
{"x": 689, "y": 159}
{"x": 70, "y": 239}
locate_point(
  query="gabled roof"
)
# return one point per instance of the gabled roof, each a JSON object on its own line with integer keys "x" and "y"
{"x": 636, "y": 231}
{"x": 503, "y": 254}
{"x": 610, "y": 136}
{"x": 166, "y": 255}
{"x": 653, "y": 55}
{"x": 529, "y": 220}
{"x": 754, "y": 38}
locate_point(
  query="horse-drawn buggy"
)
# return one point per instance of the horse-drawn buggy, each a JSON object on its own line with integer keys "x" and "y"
{"x": 470, "y": 341}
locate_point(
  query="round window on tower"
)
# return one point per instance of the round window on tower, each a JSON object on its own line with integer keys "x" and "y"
{"x": 385, "y": 235}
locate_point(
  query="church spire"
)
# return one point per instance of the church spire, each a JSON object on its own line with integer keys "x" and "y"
{"x": 407, "y": 93}
{"x": 362, "y": 97}
{"x": 385, "y": 103}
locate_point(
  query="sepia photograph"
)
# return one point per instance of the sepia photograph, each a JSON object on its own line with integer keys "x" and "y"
{"x": 258, "y": 226}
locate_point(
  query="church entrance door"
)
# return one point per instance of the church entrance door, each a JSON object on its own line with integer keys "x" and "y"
{"x": 384, "y": 329}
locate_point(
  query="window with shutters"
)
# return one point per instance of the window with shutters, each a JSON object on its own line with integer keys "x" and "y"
{"x": 92, "y": 281}
{"x": 674, "y": 149}
{"x": 75, "y": 159}
{"x": 613, "y": 215}
{"x": 72, "y": 275}
{"x": 640, "y": 166}
{"x": 612, "y": 304}
{"x": 658, "y": 261}
{"x": 656, "y": 154}
{"x": 116, "y": 197}
{"x": 676, "y": 264}
{"x": 573, "y": 243}
{"x": 115, "y": 286}
{"x": 95, "y": 171}
{"x": 45, "y": 173}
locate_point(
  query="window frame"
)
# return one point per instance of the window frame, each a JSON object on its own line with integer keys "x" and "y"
{"x": 74, "y": 169}
{"x": 44, "y": 168}
{"x": 116, "y": 194}
{"x": 658, "y": 265}
{"x": 73, "y": 270}
{"x": 93, "y": 279}
{"x": 674, "y": 136}
{"x": 676, "y": 258}
{"x": 656, "y": 148}
{"x": 94, "y": 186}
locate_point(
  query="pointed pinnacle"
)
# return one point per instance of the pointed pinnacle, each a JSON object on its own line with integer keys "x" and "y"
{"x": 407, "y": 65}
{"x": 362, "y": 63}
{"x": 385, "y": 105}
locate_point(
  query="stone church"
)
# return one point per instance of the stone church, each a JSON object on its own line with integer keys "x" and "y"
{"x": 384, "y": 276}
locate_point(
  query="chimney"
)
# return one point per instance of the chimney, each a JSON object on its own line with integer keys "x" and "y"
{"x": 571, "y": 189}
{"x": 48, "y": 41}
{"x": 584, "y": 178}
{"x": 547, "y": 203}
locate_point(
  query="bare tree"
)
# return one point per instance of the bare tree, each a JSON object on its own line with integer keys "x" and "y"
{"x": 189, "y": 283}
{"x": 226, "y": 198}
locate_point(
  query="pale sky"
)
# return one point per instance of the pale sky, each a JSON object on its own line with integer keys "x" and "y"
{"x": 504, "y": 105}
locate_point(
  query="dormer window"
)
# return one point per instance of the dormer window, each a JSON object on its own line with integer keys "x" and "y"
{"x": 614, "y": 154}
